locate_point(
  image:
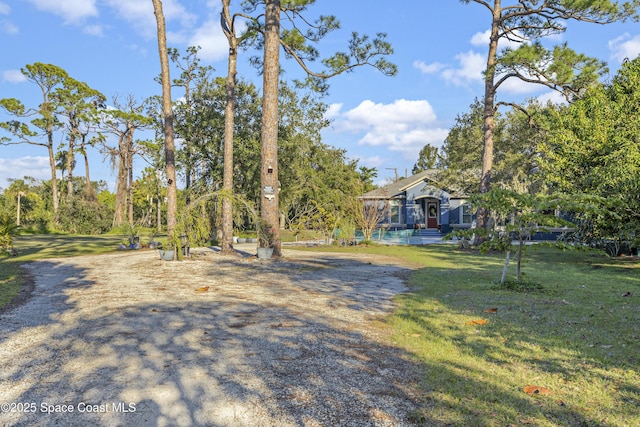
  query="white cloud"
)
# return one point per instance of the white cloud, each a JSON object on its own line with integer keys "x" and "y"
{"x": 333, "y": 111}
{"x": 9, "y": 28}
{"x": 141, "y": 50}
{"x": 6, "y": 26}
{"x": 516, "y": 86}
{"x": 213, "y": 43}
{"x": 404, "y": 126}
{"x": 471, "y": 66}
{"x": 553, "y": 96}
{"x": 624, "y": 46}
{"x": 140, "y": 15}
{"x": 13, "y": 76}
{"x": 481, "y": 39}
{"x": 372, "y": 161}
{"x": 33, "y": 166}
{"x": 94, "y": 30}
{"x": 72, "y": 11}
{"x": 174, "y": 11}
{"x": 428, "y": 68}
{"x": 401, "y": 113}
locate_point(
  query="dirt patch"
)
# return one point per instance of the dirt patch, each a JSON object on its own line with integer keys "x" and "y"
{"x": 23, "y": 295}
{"x": 128, "y": 339}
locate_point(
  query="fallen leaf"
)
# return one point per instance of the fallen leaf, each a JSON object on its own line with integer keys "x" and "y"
{"x": 534, "y": 389}
{"x": 415, "y": 335}
{"x": 477, "y": 322}
{"x": 491, "y": 310}
{"x": 202, "y": 289}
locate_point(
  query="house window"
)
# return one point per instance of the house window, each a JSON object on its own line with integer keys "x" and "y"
{"x": 394, "y": 212}
{"x": 467, "y": 214}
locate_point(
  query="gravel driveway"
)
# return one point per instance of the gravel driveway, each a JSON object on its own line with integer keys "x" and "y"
{"x": 128, "y": 339}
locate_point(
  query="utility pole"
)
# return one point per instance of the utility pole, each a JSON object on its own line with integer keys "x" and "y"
{"x": 396, "y": 171}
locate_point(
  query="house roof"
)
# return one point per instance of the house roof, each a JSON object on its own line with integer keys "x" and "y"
{"x": 395, "y": 189}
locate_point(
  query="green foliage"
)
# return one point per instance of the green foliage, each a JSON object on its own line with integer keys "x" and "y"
{"x": 194, "y": 223}
{"x": 79, "y": 216}
{"x": 266, "y": 237}
{"x": 367, "y": 215}
{"x": 323, "y": 220}
{"x": 516, "y": 139}
{"x": 299, "y": 35}
{"x": 519, "y": 286}
{"x": 309, "y": 169}
{"x": 35, "y": 202}
{"x": 346, "y": 231}
{"x": 461, "y": 154}
{"x": 427, "y": 159}
{"x": 560, "y": 68}
{"x": 8, "y": 230}
{"x": 592, "y": 148}
{"x": 517, "y": 216}
{"x": 305, "y": 158}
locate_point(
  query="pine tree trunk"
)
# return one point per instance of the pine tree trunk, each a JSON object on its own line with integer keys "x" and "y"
{"x": 229, "y": 122}
{"x": 169, "y": 145}
{"x": 269, "y": 140}
{"x": 489, "y": 112}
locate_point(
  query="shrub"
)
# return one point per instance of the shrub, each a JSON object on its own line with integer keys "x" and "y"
{"x": 8, "y": 230}
{"x": 85, "y": 217}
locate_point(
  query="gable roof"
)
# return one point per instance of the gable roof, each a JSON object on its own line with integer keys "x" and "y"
{"x": 395, "y": 189}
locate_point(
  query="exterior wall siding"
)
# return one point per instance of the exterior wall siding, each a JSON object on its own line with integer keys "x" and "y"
{"x": 412, "y": 205}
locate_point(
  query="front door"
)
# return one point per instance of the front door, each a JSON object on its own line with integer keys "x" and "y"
{"x": 432, "y": 215}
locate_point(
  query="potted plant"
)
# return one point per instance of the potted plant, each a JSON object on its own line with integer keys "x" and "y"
{"x": 266, "y": 240}
{"x": 132, "y": 239}
{"x": 166, "y": 254}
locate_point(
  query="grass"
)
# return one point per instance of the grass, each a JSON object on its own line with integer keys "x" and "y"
{"x": 34, "y": 247}
{"x": 572, "y": 328}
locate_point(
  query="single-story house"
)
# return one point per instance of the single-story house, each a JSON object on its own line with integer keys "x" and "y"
{"x": 418, "y": 202}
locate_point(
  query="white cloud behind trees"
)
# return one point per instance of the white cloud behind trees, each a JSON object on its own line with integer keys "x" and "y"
{"x": 27, "y": 166}
{"x": 402, "y": 127}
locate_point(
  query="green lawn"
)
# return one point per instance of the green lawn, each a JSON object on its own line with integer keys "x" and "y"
{"x": 575, "y": 336}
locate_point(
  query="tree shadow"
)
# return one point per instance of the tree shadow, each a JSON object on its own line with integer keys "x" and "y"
{"x": 472, "y": 391}
{"x": 143, "y": 353}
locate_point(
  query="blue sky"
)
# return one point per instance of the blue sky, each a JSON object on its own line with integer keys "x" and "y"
{"x": 382, "y": 121}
